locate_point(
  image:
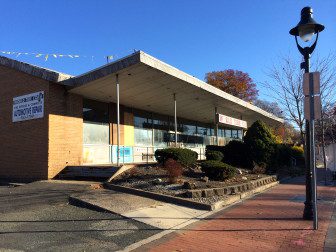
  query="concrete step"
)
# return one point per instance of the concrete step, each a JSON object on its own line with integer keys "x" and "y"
{"x": 88, "y": 171}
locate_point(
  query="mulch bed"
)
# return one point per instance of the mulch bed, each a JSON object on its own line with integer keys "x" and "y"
{"x": 155, "y": 179}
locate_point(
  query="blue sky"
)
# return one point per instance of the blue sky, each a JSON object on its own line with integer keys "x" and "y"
{"x": 196, "y": 36}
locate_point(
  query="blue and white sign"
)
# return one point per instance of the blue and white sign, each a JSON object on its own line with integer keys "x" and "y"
{"x": 125, "y": 154}
{"x": 28, "y": 107}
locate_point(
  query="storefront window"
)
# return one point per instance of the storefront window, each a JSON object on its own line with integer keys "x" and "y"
{"x": 234, "y": 134}
{"x": 161, "y": 124}
{"x": 204, "y": 131}
{"x": 159, "y": 138}
{"x": 189, "y": 129}
{"x": 221, "y": 132}
{"x": 143, "y": 137}
{"x": 240, "y": 134}
{"x": 96, "y": 126}
{"x": 228, "y": 133}
{"x": 142, "y": 122}
{"x": 143, "y": 132}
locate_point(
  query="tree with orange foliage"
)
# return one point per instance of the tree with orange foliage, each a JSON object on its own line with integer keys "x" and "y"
{"x": 234, "y": 82}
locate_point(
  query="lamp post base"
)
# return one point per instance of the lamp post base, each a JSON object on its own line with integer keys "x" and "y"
{"x": 308, "y": 211}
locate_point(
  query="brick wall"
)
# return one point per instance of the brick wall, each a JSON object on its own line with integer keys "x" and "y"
{"x": 23, "y": 145}
{"x": 40, "y": 148}
{"x": 65, "y": 129}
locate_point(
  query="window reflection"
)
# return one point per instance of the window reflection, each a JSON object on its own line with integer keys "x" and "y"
{"x": 96, "y": 122}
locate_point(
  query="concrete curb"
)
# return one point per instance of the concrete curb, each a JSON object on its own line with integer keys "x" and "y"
{"x": 160, "y": 197}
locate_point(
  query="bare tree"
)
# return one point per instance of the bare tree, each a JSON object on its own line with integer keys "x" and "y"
{"x": 271, "y": 107}
{"x": 285, "y": 87}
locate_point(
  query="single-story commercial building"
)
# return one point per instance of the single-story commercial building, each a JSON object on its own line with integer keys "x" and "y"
{"x": 50, "y": 120}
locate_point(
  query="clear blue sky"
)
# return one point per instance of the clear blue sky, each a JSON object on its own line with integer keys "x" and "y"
{"x": 193, "y": 35}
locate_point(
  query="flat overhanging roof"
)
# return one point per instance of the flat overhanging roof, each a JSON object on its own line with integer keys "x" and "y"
{"x": 149, "y": 84}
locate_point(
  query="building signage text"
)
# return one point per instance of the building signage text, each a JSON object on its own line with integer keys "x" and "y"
{"x": 28, "y": 107}
{"x": 231, "y": 121}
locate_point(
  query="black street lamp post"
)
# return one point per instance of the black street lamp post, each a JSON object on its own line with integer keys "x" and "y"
{"x": 306, "y": 28}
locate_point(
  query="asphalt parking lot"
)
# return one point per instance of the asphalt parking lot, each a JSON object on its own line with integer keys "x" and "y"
{"x": 37, "y": 217}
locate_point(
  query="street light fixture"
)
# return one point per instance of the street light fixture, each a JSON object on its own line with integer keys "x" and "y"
{"x": 306, "y": 28}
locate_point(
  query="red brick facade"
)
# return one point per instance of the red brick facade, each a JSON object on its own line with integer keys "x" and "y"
{"x": 65, "y": 129}
{"x": 39, "y": 148}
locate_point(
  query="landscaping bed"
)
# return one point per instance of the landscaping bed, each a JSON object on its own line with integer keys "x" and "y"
{"x": 192, "y": 184}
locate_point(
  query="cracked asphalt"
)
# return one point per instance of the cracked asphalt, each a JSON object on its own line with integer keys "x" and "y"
{"x": 37, "y": 217}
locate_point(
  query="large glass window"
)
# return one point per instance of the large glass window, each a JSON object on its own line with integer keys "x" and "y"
{"x": 96, "y": 122}
{"x": 142, "y": 122}
{"x": 159, "y": 136}
{"x": 240, "y": 134}
{"x": 189, "y": 129}
{"x": 201, "y": 131}
{"x": 234, "y": 133}
{"x": 143, "y": 132}
{"x": 143, "y": 137}
{"x": 161, "y": 124}
{"x": 228, "y": 133}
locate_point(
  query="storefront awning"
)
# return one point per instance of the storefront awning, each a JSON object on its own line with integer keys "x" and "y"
{"x": 149, "y": 84}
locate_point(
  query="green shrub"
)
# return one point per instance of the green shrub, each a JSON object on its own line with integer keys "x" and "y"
{"x": 235, "y": 154}
{"x": 215, "y": 148}
{"x": 260, "y": 143}
{"x": 298, "y": 153}
{"x": 217, "y": 170}
{"x": 286, "y": 155}
{"x": 185, "y": 157}
{"x": 281, "y": 156}
{"x": 214, "y": 155}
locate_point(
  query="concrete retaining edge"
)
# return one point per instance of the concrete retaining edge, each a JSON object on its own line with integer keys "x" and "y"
{"x": 189, "y": 203}
{"x": 234, "y": 198}
{"x": 232, "y": 189}
{"x": 160, "y": 197}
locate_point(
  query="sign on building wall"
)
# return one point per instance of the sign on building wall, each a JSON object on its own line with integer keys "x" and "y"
{"x": 231, "y": 121}
{"x": 28, "y": 107}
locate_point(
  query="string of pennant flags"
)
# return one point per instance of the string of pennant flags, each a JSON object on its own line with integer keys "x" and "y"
{"x": 46, "y": 56}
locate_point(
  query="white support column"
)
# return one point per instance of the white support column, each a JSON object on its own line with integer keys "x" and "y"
{"x": 118, "y": 121}
{"x": 175, "y": 120}
{"x": 216, "y": 126}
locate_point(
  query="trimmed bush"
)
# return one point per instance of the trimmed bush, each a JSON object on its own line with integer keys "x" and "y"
{"x": 185, "y": 157}
{"x": 214, "y": 155}
{"x": 286, "y": 155}
{"x": 235, "y": 154}
{"x": 282, "y": 156}
{"x": 260, "y": 143}
{"x": 215, "y": 148}
{"x": 217, "y": 170}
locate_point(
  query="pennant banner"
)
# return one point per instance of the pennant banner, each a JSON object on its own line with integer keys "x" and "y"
{"x": 47, "y": 55}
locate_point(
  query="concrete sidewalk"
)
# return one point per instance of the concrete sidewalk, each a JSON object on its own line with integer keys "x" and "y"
{"x": 152, "y": 212}
{"x": 271, "y": 221}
